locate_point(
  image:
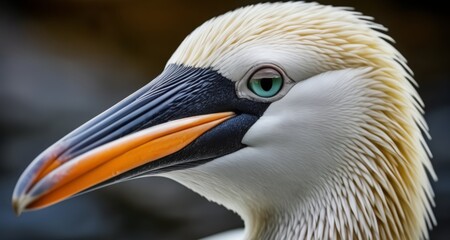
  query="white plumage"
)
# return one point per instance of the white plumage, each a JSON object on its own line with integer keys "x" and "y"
{"x": 342, "y": 154}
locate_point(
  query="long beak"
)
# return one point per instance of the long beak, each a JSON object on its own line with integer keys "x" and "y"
{"x": 183, "y": 118}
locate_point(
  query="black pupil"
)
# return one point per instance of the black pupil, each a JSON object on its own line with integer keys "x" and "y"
{"x": 266, "y": 84}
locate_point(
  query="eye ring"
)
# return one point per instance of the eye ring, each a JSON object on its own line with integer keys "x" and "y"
{"x": 264, "y": 83}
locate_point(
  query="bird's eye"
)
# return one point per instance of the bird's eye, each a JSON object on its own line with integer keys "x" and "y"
{"x": 266, "y": 82}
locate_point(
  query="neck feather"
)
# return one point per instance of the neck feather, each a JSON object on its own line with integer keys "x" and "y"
{"x": 353, "y": 205}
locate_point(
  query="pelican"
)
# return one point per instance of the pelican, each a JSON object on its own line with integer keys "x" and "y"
{"x": 302, "y": 118}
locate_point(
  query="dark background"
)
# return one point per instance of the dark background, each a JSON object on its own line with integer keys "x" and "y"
{"x": 63, "y": 62}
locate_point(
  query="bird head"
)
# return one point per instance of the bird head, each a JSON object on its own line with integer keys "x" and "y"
{"x": 268, "y": 107}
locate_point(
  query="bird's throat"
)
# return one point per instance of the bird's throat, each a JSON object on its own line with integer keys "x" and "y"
{"x": 342, "y": 210}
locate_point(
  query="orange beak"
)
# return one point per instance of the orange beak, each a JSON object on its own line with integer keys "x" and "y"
{"x": 52, "y": 177}
{"x": 184, "y": 118}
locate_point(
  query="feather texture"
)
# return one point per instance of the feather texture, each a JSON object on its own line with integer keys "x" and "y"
{"x": 379, "y": 188}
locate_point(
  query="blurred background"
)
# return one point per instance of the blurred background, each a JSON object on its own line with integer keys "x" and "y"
{"x": 63, "y": 62}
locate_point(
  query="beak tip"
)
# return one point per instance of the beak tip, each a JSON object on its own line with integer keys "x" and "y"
{"x": 19, "y": 205}
{"x": 18, "y": 209}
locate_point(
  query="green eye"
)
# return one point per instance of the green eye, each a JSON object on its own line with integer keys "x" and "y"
{"x": 266, "y": 83}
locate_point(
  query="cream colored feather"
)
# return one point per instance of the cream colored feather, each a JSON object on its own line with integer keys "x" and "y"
{"x": 381, "y": 189}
